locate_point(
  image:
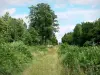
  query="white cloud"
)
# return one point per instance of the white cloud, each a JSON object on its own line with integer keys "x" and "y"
{"x": 60, "y": 1}
{"x": 75, "y": 13}
{"x": 64, "y": 29}
{"x": 59, "y": 5}
{"x": 79, "y": 2}
{"x": 11, "y": 11}
{"x": 4, "y": 4}
{"x": 14, "y": 2}
{"x": 20, "y": 15}
{"x": 89, "y": 20}
{"x": 62, "y": 15}
{"x": 84, "y": 2}
{"x": 63, "y": 3}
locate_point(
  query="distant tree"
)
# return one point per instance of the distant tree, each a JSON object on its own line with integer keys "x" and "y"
{"x": 85, "y": 34}
{"x": 68, "y": 38}
{"x": 54, "y": 40}
{"x": 96, "y": 31}
{"x": 43, "y": 20}
{"x": 86, "y": 31}
{"x": 77, "y": 34}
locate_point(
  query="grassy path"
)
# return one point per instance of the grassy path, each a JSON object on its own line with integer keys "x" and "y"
{"x": 45, "y": 64}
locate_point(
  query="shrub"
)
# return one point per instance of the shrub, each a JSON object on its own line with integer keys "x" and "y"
{"x": 13, "y": 58}
{"x": 80, "y": 59}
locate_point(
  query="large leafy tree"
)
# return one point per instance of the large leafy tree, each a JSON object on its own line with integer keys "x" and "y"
{"x": 44, "y": 22}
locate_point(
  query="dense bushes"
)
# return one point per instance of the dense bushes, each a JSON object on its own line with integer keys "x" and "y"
{"x": 13, "y": 58}
{"x": 80, "y": 60}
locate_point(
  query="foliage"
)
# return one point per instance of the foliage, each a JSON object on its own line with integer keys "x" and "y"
{"x": 85, "y": 33}
{"x": 3, "y": 31}
{"x": 15, "y": 37}
{"x": 77, "y": 34}
{"x": 26, "y": 38}
{"x": 53, "y": 40}
{"x": 11, "y": 29}
{"x": 80, "y": 60}
{"x": 41, "y": 30}
{"x": 68, "y": 38}
{"x": 43, "y": 21}
{"x": 35, "y": 39}
{"x": 13, "y": 58}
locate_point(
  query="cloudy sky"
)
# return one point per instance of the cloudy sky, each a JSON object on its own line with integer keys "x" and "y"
{"x": 69, "y": 12}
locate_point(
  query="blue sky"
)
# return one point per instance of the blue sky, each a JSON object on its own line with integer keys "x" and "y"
{"x": 69, "y": 12}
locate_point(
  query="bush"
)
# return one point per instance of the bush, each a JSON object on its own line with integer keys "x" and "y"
{"x": 87, "y": 43}
{"x": 13, "y": 58}
{"x": 80, "y": 59}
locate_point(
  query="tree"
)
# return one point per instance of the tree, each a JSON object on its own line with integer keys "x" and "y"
{"x": 14, "y": 28}
{"x": 77, "y": 34}
{"x": 85, "y": 34}
{"x": 43, "y": 20}
{"x": 26, "y": 38}
{"x": 87, "y": 31}
{"x": 3, "y": 31}
{"x": 54, "y": 40}
{"x": 96, "y": 31}
{"x": 68, "y": 38}
{"x": 35, "y": 39}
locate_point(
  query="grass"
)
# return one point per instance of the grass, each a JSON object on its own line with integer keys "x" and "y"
{"x": 45, "y": 63}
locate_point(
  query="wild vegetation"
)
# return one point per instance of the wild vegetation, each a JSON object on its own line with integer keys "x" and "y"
{"x": 18, "y": 42}
{"x": 84, "y": 34}
{"x": 30, "y": 51}
{"x": 13, "y": 58}
{"x": 80, "y": 51}
{"x": 80, "y": 60}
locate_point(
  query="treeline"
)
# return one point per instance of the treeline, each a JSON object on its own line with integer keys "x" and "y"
{"x": 84, "y": 34}
{"x": 41, "y": 30}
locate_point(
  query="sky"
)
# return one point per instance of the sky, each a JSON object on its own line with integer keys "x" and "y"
{"x": 69, "y": 12}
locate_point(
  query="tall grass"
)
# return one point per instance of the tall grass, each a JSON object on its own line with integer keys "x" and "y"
{"x": 80, "y": 60}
